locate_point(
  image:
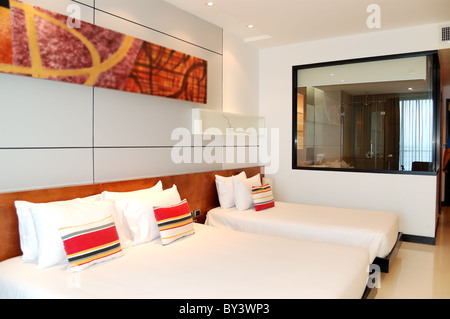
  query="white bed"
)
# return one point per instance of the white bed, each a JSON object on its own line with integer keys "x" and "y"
{"x": 376, "y": 231}
{"x": 212, "y": 263}
{"x": 246, "y": 204}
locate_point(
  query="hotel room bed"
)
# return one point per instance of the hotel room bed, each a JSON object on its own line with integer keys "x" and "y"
{"x": 212, "y": 263}
{"x": 377, "y": 231}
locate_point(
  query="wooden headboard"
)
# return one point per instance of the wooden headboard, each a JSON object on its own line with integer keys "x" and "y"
{"x": 198, "y": 188}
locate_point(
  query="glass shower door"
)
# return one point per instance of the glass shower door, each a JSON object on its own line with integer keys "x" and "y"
{"x": 369, "y": 136}
{"x": 376, "y": 151}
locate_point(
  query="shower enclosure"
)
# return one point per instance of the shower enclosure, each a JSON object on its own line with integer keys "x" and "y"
{"x": 375, "y": 132}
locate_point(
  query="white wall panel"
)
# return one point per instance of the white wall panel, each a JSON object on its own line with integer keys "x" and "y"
{"x": 62, "y": 7}
{"x": 22, "y": 169}
{"x": 133, "y": 163}
{"x": 44, "y": 113}
{"x": 239, "y": 156}
{"x": 168, "y": 19}
{"x": 129, "y": 119}
{"x": 240, "y": 76}
{"x": 87, "y": 2}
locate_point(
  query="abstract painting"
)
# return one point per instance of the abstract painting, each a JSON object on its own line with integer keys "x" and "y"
{"x": 39, "y": 43}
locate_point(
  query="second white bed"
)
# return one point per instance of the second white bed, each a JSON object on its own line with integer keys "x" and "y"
{"x": 375, "y": 230}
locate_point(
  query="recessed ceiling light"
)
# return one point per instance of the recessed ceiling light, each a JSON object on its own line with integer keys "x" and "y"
{"x": 209, "y": 3}
{"x": 250, "y": 26}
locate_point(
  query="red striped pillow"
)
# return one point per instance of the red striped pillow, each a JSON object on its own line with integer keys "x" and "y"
{"x": 91, "y": 243}
{"x": 174, "y": 222}
{"x": 262, "y": 197}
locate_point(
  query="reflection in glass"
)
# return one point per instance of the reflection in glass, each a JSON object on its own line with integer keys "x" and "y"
{"x": 346, "y": 120}
{"x": 416, "y": 128}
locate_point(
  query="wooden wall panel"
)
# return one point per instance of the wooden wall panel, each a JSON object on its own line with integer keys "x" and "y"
{"x": 198, "y": 188}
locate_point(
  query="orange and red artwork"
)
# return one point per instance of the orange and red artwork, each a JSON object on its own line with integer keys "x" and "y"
{"x": 39, "y": 43}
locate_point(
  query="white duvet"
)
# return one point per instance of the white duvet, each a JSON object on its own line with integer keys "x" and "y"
{"x": 375, "y": 230}
{"x": 212, "y": 263}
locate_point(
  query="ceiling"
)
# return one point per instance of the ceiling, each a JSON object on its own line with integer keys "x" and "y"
{"x": 283, "y": 22}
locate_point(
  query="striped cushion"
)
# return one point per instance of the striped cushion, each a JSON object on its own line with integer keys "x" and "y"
{"x": 91, "y": 243}
{"x": 174, "y": 222}
{"x": 262, "y": 197}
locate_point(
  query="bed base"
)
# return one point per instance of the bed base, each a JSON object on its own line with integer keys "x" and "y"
{"x": 370, "y": 293}
{"x": 386, "y": 262}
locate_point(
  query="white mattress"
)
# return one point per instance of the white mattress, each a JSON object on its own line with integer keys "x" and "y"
{"x": 375, "y": 230}
{"x": 212, "y": 263}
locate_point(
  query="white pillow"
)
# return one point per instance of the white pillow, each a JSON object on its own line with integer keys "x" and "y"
{"x": 225, "y": 189}
{"x": 167, "y": 197}
{"x": 50, "y": 217}
{"x": 27, "y": 232}
{"x": 139, "y": 193}
{"x": 243, "y": 198}
{"x": 139, "y": 213}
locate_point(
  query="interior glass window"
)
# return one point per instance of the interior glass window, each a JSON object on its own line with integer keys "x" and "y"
{"x": 367, "y": 115}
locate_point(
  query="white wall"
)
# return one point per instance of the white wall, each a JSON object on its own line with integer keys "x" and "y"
{"x": 240, "y": 76}
{"x": 57, "y": 134}
{"x": 413, "y": 197}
